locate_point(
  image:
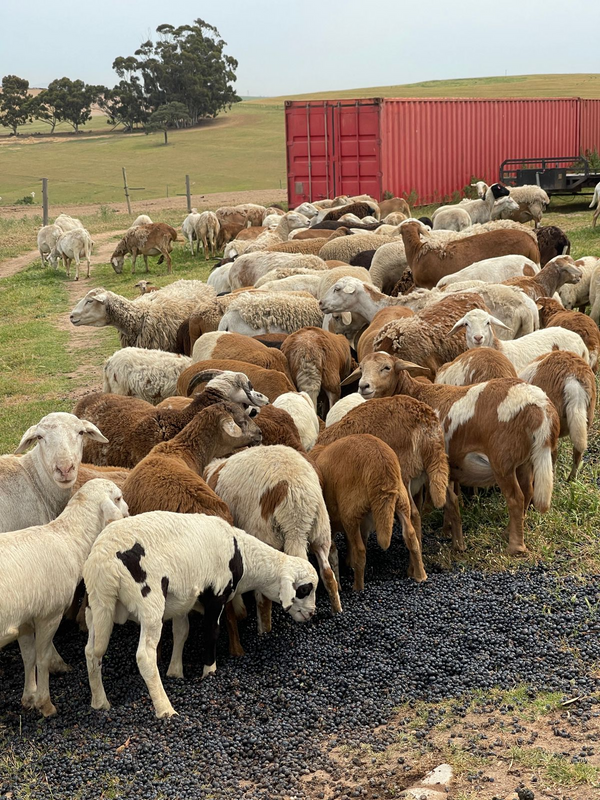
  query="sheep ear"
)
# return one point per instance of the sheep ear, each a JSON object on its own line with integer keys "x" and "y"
{"x": 110, "y": 511}
{"x": 498, "y": 322}
{"x": 93, "y": 432}
{"x": 286, "y": 592}
{"x": 28, "y": 439}
{"x": 411, "y": 367}
{"x": 352, "y": 378}
{"x": 349, "y": 289}
{"x": 101, "y": 298}
{"x": 346, "y": 317}
{"x": 231, "y": 428}
{"x": 539, "y": 306}
{"x": 462, "y": 323}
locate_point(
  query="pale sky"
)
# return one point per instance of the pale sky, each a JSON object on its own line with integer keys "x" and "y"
{"x": 289, "y": 47}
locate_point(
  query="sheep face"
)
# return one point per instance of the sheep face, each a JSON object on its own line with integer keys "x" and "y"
{"x": 237, "y": 430}
{"x": 91, "y": 310}
{"x": 297, "y": 591}
{"x": 59, "y": 439}
{"x": 339, "y": 297}
{"x": 379, "y": 373}
{"x": 478, "y": 328}
{"x": 117, "y": 264}
{"x": 112, "y": 505}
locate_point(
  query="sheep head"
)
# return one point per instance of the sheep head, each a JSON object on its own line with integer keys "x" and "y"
{"x": 478, "y": 327}
{"x": 380, "y": 375}
{"x": 91, "y": 309}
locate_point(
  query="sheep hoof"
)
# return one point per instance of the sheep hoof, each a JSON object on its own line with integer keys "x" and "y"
{"x": 518, "y": 550}
{"x": 175, "y": 673}
{"x": 47, "y": 708}
{"x": 209, "y": 670}
{"x": 103, "y": 705}
{"x": 28, "y": 701}
{"x": 58, "y": 665}
{"x": 168, "y": 712}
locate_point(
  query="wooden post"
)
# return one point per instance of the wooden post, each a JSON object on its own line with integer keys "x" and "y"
{"x": 126, "y": 190}
{"x": 45, "y": 200}
{"x": 188, "y": 194}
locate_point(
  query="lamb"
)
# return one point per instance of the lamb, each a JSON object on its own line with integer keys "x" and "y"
{"x": 300, "y": 408}
{"x": 476, "y": 366}
{"x": 552, "y": 314}
{"x": 188, "y": 228}
{"x": 67, "y": 223}
{"x": 35, "y": 488}
{"x": 46, "y": 242}
{"x": 318, "y": 361}
{"x": 247, "y": 269}
{"x": 571, "y": 386}
{"x": 480, "y": 333}
{"x": 131, "y": 566}
{"x": 493, "y": 270}
{"x": 532, "y": 202}
{"x": 552, "y": 242}
{"x": 275, "y": 493}
{"x": 207, "y": 230}
{"x": 148, "y": 321}
{"x": 145, "y": 240}
{"x": 342, "y": 407}
{"x": 134, "y": 427}
{"x": 502, "y": 432}
{"x": 150, "y": 375}
{"x": 362, "y": 484}
{"x": 268, "y": 382}
{"x": 236, "y": 347}
{"x": 37, "y": 590}
{"x": 558, "y": 271}
{"x": 264, "y": 312}
{"x": 578, "y": 294}
{"x": 72, "y": 246}
{"x": 429, "y": 263}
{"x": 146, "y": 287}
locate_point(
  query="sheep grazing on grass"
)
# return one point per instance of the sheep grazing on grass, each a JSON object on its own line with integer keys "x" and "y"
{"x": 188, "y": 228}
{"x": 158, "y": 566}
{"x": 46, "y": 242}
{"x": 553, "y": 315}
{"x": 502, "y": 432}
{"x": 150, "y": 375}
{"x": 72, "y": 246}
{"x": 363, "y": 487}
{"x": 274, "y": 492}
{"x": 269, "y": 382}
{"x": 142, "y": 219}
{"x": 134, "y": 427}
{"x": 145, "y": 240}
{"x": 41, "y": 567}
{"x": 207, "y": 229}
{"x": 36, "y": 487}
{"x": 67, "y": 223}
{"x": 148, "y": 321}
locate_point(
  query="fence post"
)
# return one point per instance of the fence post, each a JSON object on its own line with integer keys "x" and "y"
{"x": 126, "y": 190}
{"x": 45, "y": 201}
{"x": 188, "y": 194}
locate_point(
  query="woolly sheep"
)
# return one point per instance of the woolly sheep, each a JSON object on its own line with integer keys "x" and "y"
{"x": 516, "y": 309}
{"x": 299, "y": 406}
{"x": 578, "y": 295}
{"x": 294, "y": 283}
{"x": 451, "y": 218}
{"x": 132, "y": 570}
{"x": 143, "y": 219}
{"x": 206, "y": 227}
{"x": 219, "y": 279}
{"x": 150, "y": 375}
{"x": 36, "y": 487}
{"x": 41, "y": 567}
{"x": 266, "y": 312}
{"x": 342, "y": 407}
{"x": 344, "y": 248}
{"x": 188, "y": 228}
{"x": 247, "y": 269}
{"x": 72, "y": 246}
{"x": 67, "y": 223}
{"x": 493, "y": 270}
{"x": 46, "y": 242}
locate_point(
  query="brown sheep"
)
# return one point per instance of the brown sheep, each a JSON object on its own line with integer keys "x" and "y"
{"x": 394, "y": 204}
{"x": 87, "y": 472}
{"x": 556, "y": 273}
{"x": 552, "y": 242}
{"x": 318, "y": 360}
{"x": 232, "y": 222}
{"x": 430, "y": 262}
{"x": 476, "y": 366}
{"x": 273, "y": 383}
{"x": 278, "y": 427}
{"x": 153, "y": 239}
{"x": 237, "y": 347}
{"x": 554, "y": 315}
{"x": 311, "y": 233}
{"x": 361, "y": 476}
{"x": 381, "y": 318}
{"x": 360, "y": 210}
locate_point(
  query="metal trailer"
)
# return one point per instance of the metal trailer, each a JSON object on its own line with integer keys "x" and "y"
{"x": 560, "y": 176}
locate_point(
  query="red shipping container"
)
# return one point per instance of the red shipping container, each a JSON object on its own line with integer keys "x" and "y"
{"x": 428, "y": 146}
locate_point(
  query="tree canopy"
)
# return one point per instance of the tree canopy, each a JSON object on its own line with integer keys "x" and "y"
{"x": 16, "y": 106}
{"x": 171, "y": 115}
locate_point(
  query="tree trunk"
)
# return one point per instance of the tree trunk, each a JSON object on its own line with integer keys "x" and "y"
{"x": 166, "y": 139}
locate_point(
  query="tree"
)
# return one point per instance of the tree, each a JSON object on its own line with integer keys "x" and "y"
{"x": 125, "y": 104}
{"x": 187, "y": 65}
{"x": 68, "y": 101}
{"x": 16, "y": 106}
{"x": 171, "y": 115}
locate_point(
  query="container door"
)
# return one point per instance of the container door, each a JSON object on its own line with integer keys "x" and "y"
{"x": 308, "y": 139}
{"x": 356, "y": 148}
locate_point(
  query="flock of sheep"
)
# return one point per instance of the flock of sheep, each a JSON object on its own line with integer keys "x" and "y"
{"x": 221, "y": 451}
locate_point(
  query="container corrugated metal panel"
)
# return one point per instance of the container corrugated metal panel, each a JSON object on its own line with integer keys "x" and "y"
{"x": 590, "y": 125}
{"x": 429, "y": 146}
{"x": 433, "y": 147}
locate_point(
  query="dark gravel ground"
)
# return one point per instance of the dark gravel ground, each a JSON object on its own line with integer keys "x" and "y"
{"x": 262, "y": 722}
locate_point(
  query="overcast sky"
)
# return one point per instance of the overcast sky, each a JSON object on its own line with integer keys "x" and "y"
{"x": 294, "y": 46}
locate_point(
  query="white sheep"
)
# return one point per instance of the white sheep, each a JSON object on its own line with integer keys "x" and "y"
{"x": 520, "y": 352}
{"x": 451, "y": 218}
{"x": 41, "y": 567}
{"x": 207, "y": 227}
{"x": 308, "y": 282}
{"x": 158, "y": 566}
{"x": 35, "y": 487}
{"x": 493, "y": 270}
{"x": 268, "y": 312}
{"x": 219, "y": 278}
{"x": 279, "y": 273}
{"x": 248, "y": 268}
{"x": 577, "y": 295}
{"x": 309, "y": 210}
{"x": 72, "y": 246}
{"x": 188, "y": 228}
{"x": 299, "y": 406}
{"x": 150, "y": 375}
{"x": 67, "y": 223}
{"x": 342, "y": 407}
{"x": 46, "y": 241}
{"x": 532, "y": 202}
{"x": 510, "y": 304}
{"x": 142, "y": 219}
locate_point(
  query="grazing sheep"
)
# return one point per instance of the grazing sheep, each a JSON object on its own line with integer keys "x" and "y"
{"x": 145, "y": 240}
{"x": 36, "y": 487}
{"x": 552, "y": 242}
{"x": 532, "y": 202}
{"x": 148, "y": 321}
{"x": 571, "y": 386}
{"x": 236, "y": 347}
{"x": 150, "y": 375}
{"x": 552, "y": 314}
{"x": 134, "y": 427}
{"x": 142, "y": 219}
{"x": 46, "y": 242}
{"x": 363, "y": 487}
{"x": 72, "y": 246}
{"x": 264, "y": 312}
{"x": 41, "y": 567}
{"x": 274, "y": 492}
{"x": 188, "y": 228}
{"x": 158, "y": 566}
{"x": 67, "y": 223}
{"x": 207, "y": 230}
{"x": 342, "y": 407}
{"x": 269, "y": 382}
{"x": 493, "y": 270}
{"x": 475, "y": 366}
{"x": 300, "y": 408}
{"x": 318, "y": 361}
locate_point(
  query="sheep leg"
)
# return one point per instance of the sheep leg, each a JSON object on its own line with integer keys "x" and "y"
{"x": 332, "y": 398}
{"x": 100, "y": 625}
{"x": 415, "y": 516}
{"x": 452, "y": 520}
{"x": 334, "y": 560}
{"x": 416, "y": 569}
{"x": 44, "y": 633}
{"x": 27, "y": 648}
{"x": 146, "y": 660}
{"x": 181, "y": 629}
{"x": 596, "y": 215}
{"x": 235, "y": 646}
{"x": 327, "y": 576}
{"x": 577, "y": 456}
{"x": 263, "y": 609}
{"x": 134, "y": 256}
{"x": 356, "y": 552}
{"x": 205, "y": 247}
{"x": 169, "y": 262}
{"x": 56, "y": 661}
{"x": 67, "y": 265}
{"x": 213, "y": 609}
{"x": 509, "y": 486}
{"x": 76, "y": 266}
{"x": 80, "y": 618}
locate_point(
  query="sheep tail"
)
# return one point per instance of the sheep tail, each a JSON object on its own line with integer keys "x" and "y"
{"x": 576, "y": 409}
{"x": 541, "y": 459}
{"x": 383, "y": 508}
{"x": 436, "y": 467}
